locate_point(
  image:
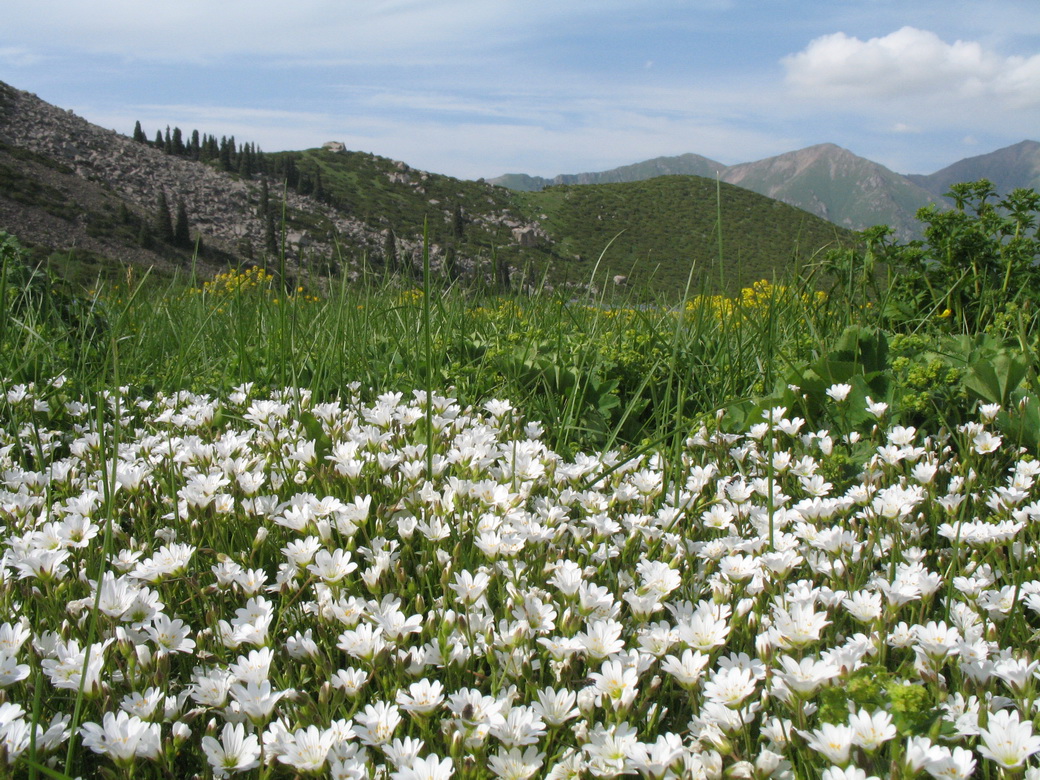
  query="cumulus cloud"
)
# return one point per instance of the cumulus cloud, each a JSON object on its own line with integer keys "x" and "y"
{"x": 911, "y": 62}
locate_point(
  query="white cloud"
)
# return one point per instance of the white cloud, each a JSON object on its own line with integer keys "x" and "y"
{"x": 911, "y": 63}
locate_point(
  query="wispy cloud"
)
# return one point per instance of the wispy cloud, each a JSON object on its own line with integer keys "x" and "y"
{"x": 479, "y": 87}
{"x": 18, "y": 57}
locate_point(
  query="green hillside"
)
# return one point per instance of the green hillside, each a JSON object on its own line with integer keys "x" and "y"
{"x": 661, "y": 227}
{"x": 380, "y": 191}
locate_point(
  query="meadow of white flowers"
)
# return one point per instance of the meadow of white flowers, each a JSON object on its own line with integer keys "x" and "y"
{"x": 274, "y": 587}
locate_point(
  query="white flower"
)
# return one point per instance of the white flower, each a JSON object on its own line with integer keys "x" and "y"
{"x": 332, "y": 567}
{"x": 985, "y": 443}
{"x": 876, "y": 408}
{"x": 730, "y": 686}
{"x": 806, "y": 675}
{"x": 870, "y": 730}
{"x": 429, "y": 768}
{"x": 235, "y": 752}
{"x": 122, "y": 737}
{"x": 422, "y": 698}
{"x": 308, "y": 749}
{"x": 556, "y": 707}
{"x": 945, "y": 764}
{"x": 377, "y": 723}
{"x": 516, "y": 765}
{"x": 840, "y": 391}
{"x": 617, "y": 683}
{"x": 1006, "y": 740}
{"x": 831, "y": 740}
{"x": 686, "y": 669}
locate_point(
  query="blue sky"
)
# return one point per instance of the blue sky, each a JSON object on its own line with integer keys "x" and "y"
{"x": 477, "y": 88}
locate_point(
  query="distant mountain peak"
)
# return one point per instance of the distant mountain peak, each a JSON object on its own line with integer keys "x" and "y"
{"x": 1008, "y": 168}
{"x": 832, "y": 181}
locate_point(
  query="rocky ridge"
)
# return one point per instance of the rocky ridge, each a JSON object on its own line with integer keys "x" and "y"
{"x": 99, "y": 169}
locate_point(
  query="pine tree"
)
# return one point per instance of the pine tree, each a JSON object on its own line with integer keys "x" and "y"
{"x": 390, "y": 252}
{"x": 158, "y": 143}
{"x": 458, "y": 223}
{"x": 168, "y": 141}
{"x": 502, "y": 273}
{"x": 270, "y": 238}
{"x": 319, "y": 189}
{"x": 292, "y": 175}
{"x": 225, "y": 154}
{"x": 451, "y": 264}
{"x": 163, "y": 222}
{"x": 181, "y": 231}
{"x": 139, "y": 135}
{"x": 195, "y": 148}
{"x": 265, "y": 198}
{"x": 144, "y": 235}
{"x": 245, "y": 163}
{"x": 178, "y": 142}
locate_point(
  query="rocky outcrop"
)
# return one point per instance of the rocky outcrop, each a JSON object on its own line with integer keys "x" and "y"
{"x": 222, "y": 209}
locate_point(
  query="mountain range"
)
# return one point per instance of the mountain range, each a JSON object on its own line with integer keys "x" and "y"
{"x": 89, "y": 202}
{"x": 828, "y": 181}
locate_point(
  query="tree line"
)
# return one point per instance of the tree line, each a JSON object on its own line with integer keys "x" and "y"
{"x": 245, "y": 159}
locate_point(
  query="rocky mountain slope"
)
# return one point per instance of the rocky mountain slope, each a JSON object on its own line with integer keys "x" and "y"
{"x": 835, "y": 184}
{"x": 69, "y": 184}
{"x": 1008, "y": 168}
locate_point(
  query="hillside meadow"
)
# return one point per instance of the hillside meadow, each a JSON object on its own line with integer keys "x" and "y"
{"x": 413, "y": 531}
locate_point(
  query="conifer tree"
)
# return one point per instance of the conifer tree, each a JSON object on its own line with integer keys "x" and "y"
{"x": 181, "y": 231}
{"x": 319, "y": 189}
{"x": 225, "y": 154}
{"x": 451, "y": 263}
{"x": 139, "y": 135}
{"x": 265, "y": 198}
{"x": 144, "y": 235}
{"x": 178, "y": 142}
{"x": 163, "y": 221}
{"x": 292, "y": 175}
{"x": 270, "y": 239}
{"x": 502, "y": 273}
{"x": 195, "y": 148}
{"x": 458, "y": 223}
{"x": 390, "y": 252}
{"x": 158, "y": 142}
{"x": 245, "y": 163}
{"x": 168, "y": 141}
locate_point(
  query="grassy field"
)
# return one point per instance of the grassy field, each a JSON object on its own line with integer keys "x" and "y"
{"x": 410, "y": 532}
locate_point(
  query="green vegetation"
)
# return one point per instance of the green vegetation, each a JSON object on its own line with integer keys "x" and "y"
{"x": 605, "y": 368}
{"x": 415, "y": 532}
{"x": 659, "y": 229}
{"x": 665, "y": 227}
